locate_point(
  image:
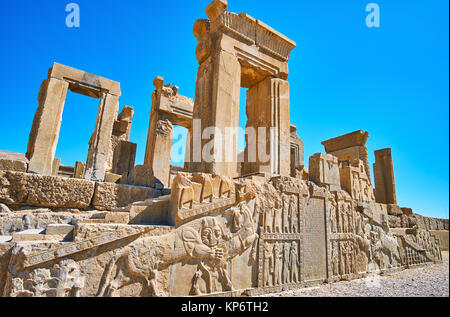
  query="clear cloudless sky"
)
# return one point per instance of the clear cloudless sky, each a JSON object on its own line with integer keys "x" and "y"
{"x": 391, "y": 81}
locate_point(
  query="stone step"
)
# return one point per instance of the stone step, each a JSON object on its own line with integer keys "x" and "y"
{"x": 152, "y": 211}
{"x": 59, "y": 229}
{"x": 29, "y": 235}
{"x": 53, "y": 232}
{"x": 108, "y": 218}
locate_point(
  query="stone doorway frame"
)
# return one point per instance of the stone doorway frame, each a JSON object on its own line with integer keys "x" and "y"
{"x": 234, "y": 51}
{"x": 47, "y": 121}
{"x": 168, "y": 109}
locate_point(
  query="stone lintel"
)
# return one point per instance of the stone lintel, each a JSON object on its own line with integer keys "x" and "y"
{"x": 83, "y": 82}
{"x": 255, "y": 32}
{"x": 244, "y": 28}
{"x": 357, "y": 138}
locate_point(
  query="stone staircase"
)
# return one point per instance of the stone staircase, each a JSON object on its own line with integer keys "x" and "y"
{"x": 53, "y": 232}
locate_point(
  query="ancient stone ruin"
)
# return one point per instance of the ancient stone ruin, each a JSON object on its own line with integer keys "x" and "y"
{"x": 230, "y": 225}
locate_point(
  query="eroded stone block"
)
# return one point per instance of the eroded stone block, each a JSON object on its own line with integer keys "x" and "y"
{"x": 108, "y": 196}
{"x": 112, "y": 178}
{"x": 384, "y": 177}
{"x": 324, "y": 170}
{"x": 394, "y": 210}
{"x": 10, "y": 161}
{"x": 48, "y": 191}
{"x": 124, "y": 157}
{"x": 80, "y": 168}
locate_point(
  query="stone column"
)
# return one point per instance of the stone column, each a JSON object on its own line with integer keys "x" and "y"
{"x": 100, "y": 142}
{"x": 46, "y": 125}
{"x": 159, "y": 148}
{"x": 217, "y": 106}
{"x": 268, "y": 107}
{"x": 384, "y": 177}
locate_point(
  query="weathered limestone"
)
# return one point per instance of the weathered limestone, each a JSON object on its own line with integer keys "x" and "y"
{"x": 108, "y": 196}
{"x": 168, "y": 109}
{"x": 36, "y": 218}
{"x": 10, "y": 161}
{"x": 112, "y": 178}
{"x": 143, "y": 176}
{"x": 124, "y": 157}
{"x": 383, "y": 170}
{"x": 297, "y": 152}
{"x": 59, "y": 229}
{"x": 21, "y": 189}
{"x": 350, "y": 147}
{"x": 268, "y": 107}
{"x": 324, "y": 170}
{"x": 239, "y": 51}
{"x": 47, "y": 122}
{"x": 442, "y": 235}
{"x": 306, "y": 235}
{"x": 355, "y": 181}
{"x": 217, "y": 92}
{"x": 209, "y": 234}
{"x": 66, "y": 171}
{"x": 100, "y": 143}
{"x": 194, "y": 195}
{"x": 80, "y": 168}
{"x": 121, "y": 133}
{"x": 55, "y": 166}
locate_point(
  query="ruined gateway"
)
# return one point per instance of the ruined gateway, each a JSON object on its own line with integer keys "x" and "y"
{"x": 106, "y": 227}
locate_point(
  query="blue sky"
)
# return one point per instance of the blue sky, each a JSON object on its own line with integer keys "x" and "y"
{"x": 391, "y": 81}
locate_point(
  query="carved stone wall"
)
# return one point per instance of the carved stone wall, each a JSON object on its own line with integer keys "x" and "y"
{"x": 219, "y": 237}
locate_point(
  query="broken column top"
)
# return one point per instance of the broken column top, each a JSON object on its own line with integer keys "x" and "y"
{"x": 83, "y": 82}
{"x": 384, "y": 152}
{"x": 179, "y": 108}
{"x": 357, "y": 138}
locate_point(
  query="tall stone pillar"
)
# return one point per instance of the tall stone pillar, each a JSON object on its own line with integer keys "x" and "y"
{"x": 100, "y": 142}
{"x": 159, "y": 148}
{"x": 46, "y": 125}
{"x": 384, "y": 177}
{"x": 268, "y": 107}
{"x": 216, "y": 105}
